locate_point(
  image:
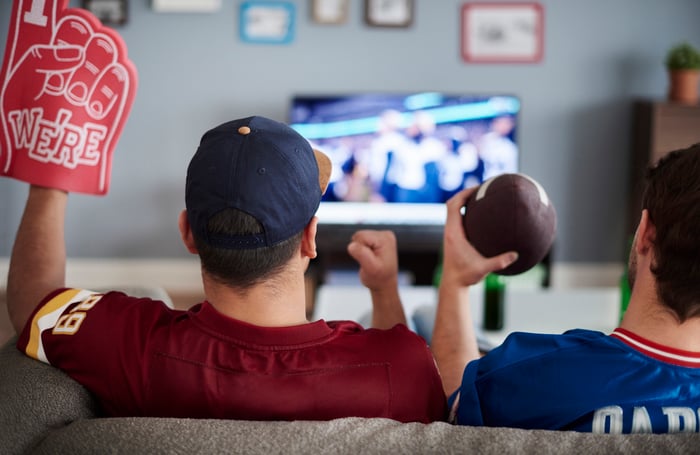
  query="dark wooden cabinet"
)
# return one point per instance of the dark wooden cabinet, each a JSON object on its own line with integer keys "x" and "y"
{"x": 659, "y": 127}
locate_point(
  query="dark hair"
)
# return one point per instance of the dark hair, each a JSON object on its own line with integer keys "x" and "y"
{"x": 672, "y": 199}
{"x": 242, "y": 269}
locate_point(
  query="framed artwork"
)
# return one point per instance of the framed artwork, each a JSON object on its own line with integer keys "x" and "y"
{"x": 186, "y": 6}
{"x": 267, "y": 22}
{"x": 109, "y": 12}
{"x": 389, "y": 13}
{"x": 502, "y": 32}
{"x": 329, "y": 11}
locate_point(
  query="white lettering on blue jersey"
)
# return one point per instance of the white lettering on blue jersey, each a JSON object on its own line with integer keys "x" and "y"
{"x": 608, "y": 420}
{"x": 680, "y": 419}
{"x": 641, "y": 423}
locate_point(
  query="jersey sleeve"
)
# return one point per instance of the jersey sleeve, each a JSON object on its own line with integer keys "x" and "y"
{"x": 415, "y": 368}
{"x": 54, "y": 315}
{"x": 483, "y": 378}
{"x": 465, "y": 403}
{"x": 98, "y": 339}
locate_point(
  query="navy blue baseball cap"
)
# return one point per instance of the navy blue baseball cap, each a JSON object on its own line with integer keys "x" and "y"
{"x": 261, "y": 167}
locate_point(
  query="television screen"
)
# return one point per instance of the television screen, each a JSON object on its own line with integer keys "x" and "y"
{"x": 398, "y": 157}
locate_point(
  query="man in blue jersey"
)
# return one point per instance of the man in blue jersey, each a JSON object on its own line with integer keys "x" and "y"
{"x": 643, "y": 377}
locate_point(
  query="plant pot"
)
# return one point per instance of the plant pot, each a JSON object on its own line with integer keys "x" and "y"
{"x": 683, "y": 86}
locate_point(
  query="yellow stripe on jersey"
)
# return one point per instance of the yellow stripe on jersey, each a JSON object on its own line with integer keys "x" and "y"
{"x": 51, "y": 310}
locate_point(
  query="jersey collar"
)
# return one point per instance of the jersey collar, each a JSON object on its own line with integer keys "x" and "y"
{"x": 658, "y": 351}
{"x": 239, "y": 332}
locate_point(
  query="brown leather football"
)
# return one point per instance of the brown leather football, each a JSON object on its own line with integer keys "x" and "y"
{"x": 511, "y": 212}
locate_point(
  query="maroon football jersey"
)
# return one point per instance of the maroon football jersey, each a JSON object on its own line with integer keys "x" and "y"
{"x": 141, "y": 358}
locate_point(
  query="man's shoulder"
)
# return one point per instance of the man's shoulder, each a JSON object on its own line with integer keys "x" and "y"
{"x": 522, "y": 348}
{"x": 73, "y": 306}
{"x": 530, "y": 376}
{"x": 398, "y": 331}
{"x": 551, "y": 341}
{"x": 379, "y": 340}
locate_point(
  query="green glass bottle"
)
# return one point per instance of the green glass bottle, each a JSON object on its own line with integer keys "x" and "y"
{"x": 625, "y": 293}
{"x": 494, "y": 301}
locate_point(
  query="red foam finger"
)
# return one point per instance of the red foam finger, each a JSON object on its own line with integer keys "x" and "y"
{"x": 60, "y": 124}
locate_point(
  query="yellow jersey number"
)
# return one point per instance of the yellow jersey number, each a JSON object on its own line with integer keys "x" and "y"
{"x": 69, "y": 323}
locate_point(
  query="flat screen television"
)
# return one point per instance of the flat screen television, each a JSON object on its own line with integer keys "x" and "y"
{"x": 397, "y": 157}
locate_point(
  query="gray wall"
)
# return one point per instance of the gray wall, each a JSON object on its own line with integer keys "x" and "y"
{"x": 194, "y": 72}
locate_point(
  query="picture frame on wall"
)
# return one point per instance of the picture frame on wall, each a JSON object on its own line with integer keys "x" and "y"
{"x": 109, "y": 12}
{"x": 389, "y": 13}
{"x": 329, "y": 11}
{"x": 186, "y": 6}
{"x": 502, "y": 32}
{"x": 267, "y": 22}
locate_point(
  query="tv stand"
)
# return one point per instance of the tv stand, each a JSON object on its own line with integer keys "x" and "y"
{"x": 418, "y": 249}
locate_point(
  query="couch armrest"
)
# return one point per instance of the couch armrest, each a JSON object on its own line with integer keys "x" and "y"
{"x": 35, "y": 399}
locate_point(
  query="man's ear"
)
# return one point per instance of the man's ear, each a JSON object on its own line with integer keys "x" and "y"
{"x": 186, "y": 233}
{"x": 308, "y": 240}
{"x": 646, "y": 234}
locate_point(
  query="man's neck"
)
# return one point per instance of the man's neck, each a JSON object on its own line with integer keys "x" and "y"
{"x": 276, "y": 303}
{"x": 648, "y": 318}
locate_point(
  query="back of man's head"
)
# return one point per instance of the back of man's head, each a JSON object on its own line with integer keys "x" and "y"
{"x": 672, "y": 199}
{"x": 252, "y": 187}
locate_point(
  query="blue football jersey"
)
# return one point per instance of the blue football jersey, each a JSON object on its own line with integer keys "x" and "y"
{"x": 583, "y": 381}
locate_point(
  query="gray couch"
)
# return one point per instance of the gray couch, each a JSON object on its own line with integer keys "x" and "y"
{"x": 44, "y": 411}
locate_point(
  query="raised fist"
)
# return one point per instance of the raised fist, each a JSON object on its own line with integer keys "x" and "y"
{"x": 67, "y": 88}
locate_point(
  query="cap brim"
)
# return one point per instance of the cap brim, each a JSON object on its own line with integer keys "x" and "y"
{"x": 324, "y": 169}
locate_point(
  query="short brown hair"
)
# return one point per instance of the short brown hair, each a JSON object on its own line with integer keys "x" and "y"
{"x": 243, "y": 268}
{"x": 672, "y": 199}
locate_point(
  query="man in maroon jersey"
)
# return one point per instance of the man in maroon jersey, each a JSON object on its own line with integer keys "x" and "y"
{"x": 247, "y": 351}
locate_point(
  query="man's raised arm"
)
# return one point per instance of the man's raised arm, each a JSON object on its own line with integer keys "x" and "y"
{"x": 454, "y": 341}
{"x": 375, "y": 251}
{"x": 38, "y": 261}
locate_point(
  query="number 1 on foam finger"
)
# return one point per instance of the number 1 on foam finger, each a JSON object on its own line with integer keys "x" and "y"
{"x": 36, "y": 14}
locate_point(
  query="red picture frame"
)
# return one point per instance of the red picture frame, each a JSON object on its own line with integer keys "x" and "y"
{"x": 503, "y": 32}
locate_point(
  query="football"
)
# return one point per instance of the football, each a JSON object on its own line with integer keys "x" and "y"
{"x": 511, "y": 212}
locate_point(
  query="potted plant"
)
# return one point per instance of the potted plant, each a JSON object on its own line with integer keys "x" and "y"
{"x": 683, "y": 65}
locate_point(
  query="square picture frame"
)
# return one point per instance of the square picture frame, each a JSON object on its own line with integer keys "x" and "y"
{"x": 267, "y": 22}
{"x": 331, "y": 12}
{"x": 389, "y": 13}
{"x": 109, "y": 12}
{"x": 502, "y": 32}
